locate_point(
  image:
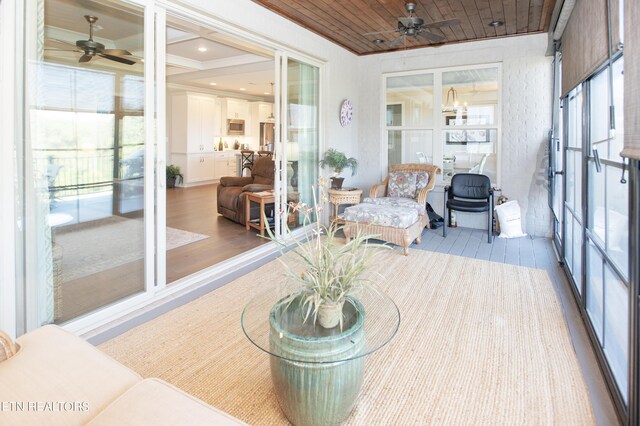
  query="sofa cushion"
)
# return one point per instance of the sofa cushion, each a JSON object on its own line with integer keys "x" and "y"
{"x": 155, "y": 402}
{"x": 402, "y": 184}
{"x": 229, "y": 197}
{"x": 397, "y": 202}
{"x": 382, "y": 215}
{"x": 254, "y": 187}
{"x": 70, "y": 380}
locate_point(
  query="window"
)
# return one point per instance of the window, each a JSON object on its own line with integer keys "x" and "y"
{"x": 445, "y": 117}
{"x": 607, "y": 271}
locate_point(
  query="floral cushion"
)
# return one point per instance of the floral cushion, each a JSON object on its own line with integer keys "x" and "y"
{"x": 422, "y": 179}
{"x": 382, "y": 215}
{"x": 402, "y": 184}
{"x": 397, "y": 202}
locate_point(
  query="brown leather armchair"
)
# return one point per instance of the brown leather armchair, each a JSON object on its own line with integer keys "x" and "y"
{"x": 232, "y": 189}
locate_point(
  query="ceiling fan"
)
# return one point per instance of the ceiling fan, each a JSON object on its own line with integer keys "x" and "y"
{"x": 415, "y": 26}
{"x": 91, "y": 48}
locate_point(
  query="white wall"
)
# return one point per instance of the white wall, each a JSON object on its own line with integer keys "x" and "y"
{"x": 341, "y": 80}
{"x": 526, "y": 117}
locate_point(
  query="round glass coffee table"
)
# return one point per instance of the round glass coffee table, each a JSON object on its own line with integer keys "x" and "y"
{"x": 317, "y": 373}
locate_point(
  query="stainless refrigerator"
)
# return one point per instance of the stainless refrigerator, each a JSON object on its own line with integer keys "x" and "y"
{"x": 267, "y": 136}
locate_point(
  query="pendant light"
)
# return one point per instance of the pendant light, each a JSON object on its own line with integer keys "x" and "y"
{"x": 271, "y": 118}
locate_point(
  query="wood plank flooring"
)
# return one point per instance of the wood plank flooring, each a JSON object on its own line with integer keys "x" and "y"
{"x": 533, "y": 253}
{"x": 194, "y": 209}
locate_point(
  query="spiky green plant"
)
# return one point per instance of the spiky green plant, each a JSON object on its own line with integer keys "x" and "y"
{"x": 333, "y": 269}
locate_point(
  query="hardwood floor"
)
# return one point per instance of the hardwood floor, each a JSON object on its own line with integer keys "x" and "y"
{"x": 189, "y": 209}
{"x": 194, "y": 209}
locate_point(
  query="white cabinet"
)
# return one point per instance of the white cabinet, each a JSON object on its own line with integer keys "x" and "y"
{"x": 225, "y": 164}
{"x": 195, "y": 123}
{"x": 235, "y": 108}
{"x": 196, "y": 168}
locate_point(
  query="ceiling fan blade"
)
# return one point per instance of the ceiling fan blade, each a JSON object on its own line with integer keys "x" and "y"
{"x": 85, "y": 58}
{"x": 117, "y": 59}
{"x": 55, "y": 40}
{"x": 380, "y": 32}
{"x": 440, "y": 24}
{"x": 116, "y": 52}
{"x": 431, "y": 37}
{"x": 62, "y": 50}
{"x": 397, "y": 41}
{"x": 412, "y": 21}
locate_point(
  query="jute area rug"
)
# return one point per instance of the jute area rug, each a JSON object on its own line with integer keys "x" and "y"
{"x": 104, "y": 244}
{"x": 479, "y": 343}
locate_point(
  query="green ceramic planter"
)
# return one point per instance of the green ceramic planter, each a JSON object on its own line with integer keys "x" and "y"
{"x": 316, "y": 377}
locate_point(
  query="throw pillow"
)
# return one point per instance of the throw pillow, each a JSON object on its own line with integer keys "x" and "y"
{"x": 422, "y": 179}
{"x": 402, "y": 184}
{"x": 7, "y": 347}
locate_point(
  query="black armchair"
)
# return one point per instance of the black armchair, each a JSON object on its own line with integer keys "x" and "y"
{"x": 471, "y": 193}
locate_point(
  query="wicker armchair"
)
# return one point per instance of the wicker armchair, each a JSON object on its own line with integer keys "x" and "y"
{"x": 380, "y": 190}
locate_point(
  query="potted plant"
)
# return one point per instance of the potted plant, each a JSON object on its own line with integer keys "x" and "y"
{"x": 334, "y": 270}
{"x": 173, "y": 173}
{"x": 338, "y": 161}
{"x": 320, "y": 320}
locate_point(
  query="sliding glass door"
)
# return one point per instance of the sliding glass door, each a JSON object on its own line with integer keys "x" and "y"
{"x": 299, "y": 153}
{"x": 84, "y": 156}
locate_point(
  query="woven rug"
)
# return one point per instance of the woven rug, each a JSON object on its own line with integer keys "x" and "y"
{"x": 99, "y": 245}
{"x": 479, "y": 343}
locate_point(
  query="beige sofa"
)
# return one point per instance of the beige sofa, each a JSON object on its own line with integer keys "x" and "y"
{"x": 56, "y": 378}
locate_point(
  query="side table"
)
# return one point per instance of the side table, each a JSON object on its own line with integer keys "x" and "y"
{"x": 337, "y": 197}
{"x": 262, "y": 198}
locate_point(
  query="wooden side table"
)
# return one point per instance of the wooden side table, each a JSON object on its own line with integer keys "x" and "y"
{"x": 337, "y": 197}
{"x": 262, "y": 198}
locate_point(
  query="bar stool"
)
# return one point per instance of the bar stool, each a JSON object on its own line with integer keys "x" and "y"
{"x": 247, "y": 160}
{"x": 267, "y": 154}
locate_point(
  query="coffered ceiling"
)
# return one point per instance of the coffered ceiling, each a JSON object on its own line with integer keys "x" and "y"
{"x": 347, "y": 22}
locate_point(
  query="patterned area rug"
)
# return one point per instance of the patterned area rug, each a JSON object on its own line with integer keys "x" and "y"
{"x": 100, "y": 245}
{"x": 479, "y": 343}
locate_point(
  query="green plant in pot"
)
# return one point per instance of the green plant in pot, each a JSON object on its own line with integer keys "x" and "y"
{"x": 333, "y": 270}
{"x": 173, "y": 174}
{"x": 317, "y": 330}
{"x": 338, "y": 161}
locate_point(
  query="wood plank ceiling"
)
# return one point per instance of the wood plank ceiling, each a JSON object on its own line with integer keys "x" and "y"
{"x": 345, "y": 22}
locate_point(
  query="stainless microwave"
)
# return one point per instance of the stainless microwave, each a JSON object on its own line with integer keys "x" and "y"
{"x": 235, "y": 127}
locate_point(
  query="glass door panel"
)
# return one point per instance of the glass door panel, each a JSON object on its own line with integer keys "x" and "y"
{"x": 84, "y": 157}
{"x": 301, "y": 147}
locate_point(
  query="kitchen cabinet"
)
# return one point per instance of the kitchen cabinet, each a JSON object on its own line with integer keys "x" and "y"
{"x": 234, "y": 108}
{"x": 196, "y": 169}
{"x": 195, "y": 123}
{"x": 225, "y": 164}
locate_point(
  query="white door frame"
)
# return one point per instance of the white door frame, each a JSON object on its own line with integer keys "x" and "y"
{"x": 156, "y": 290}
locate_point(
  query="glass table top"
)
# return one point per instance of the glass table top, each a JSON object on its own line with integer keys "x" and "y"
{"x": 273, "y": 320}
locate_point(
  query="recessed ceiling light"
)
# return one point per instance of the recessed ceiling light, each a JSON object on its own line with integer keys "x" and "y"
{"x": 202, "y": 49}
{"x": 496, "y": 24}
{"x": 267, "y": 93}
{"x": 243, "y": 89}
{"x": 378, "y": 41}
{"x": 213, "y": 84}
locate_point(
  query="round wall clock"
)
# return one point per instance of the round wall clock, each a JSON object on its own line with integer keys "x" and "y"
{"x": 346, "y": 113}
